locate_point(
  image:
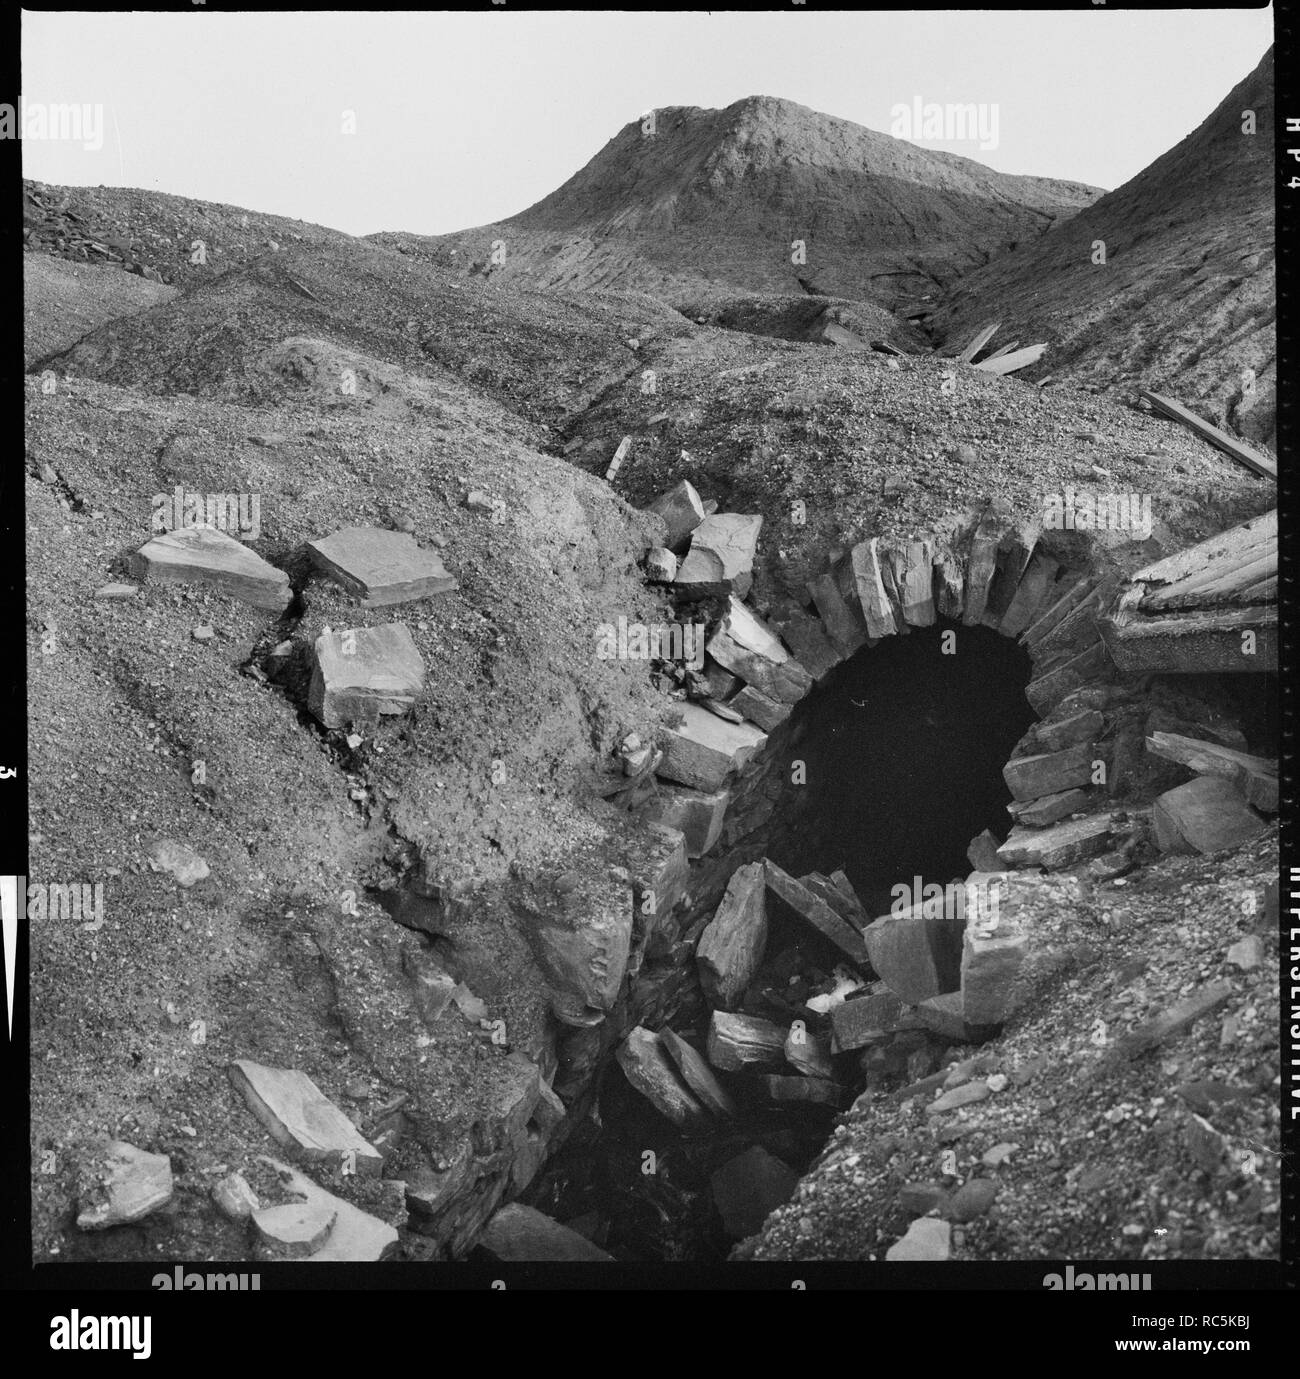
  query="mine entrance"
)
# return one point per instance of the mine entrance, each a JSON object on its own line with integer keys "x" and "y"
{"x": 903, "y": 747}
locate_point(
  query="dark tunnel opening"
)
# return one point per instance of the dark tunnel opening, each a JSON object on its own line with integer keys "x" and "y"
{"x": 903, "y": 747}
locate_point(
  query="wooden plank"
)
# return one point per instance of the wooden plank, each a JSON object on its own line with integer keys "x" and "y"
{"x": 1230, "y": 445}
{"x": 1248, "y": 537}
{"x": 1214, "y": 584}
{"x": 978, "y": 341}
{"x": 1009, "y": 363}
{"x": 884, "y": 347}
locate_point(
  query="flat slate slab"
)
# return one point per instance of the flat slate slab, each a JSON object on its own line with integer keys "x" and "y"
{"x": 301, "y": 1117}
{"x": 1060, "y": 845}
{"x": 1206, "y": 815}
{"x": 363, "y": 672}
{"x": 818, "y": 913}
{"x": 1049, "y": 773}
{"x": 1255, "y": 777}
{"x": 380, "y": 566}
{"x": 204, "y": 555}
{"x": 355, "y": 1238}
{"x": 1047, "y": 809}
{"x": 817, "y": 1091}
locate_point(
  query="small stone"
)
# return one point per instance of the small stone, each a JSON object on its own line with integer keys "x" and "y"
{"x": 204, "y": 632}
{"x": 920, "y": 1199}
{"x": 959, "y": 1096}
{"x": 972, "y": 1199}
{"x": 183, "y": 862}
{"x": 131, "y": 1184}
{"x": 235, "y": 1199}
{"x": 997, "y": 1082}
{"x": 117, "y": 591}
{"x": 660, "y": 565}
{"x": 1247, "y": 953}
{"x": 927, "y": 1240}
{"x": 999, "y": 1154}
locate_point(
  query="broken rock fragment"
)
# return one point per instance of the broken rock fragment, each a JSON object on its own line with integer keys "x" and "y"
{"x": 808, "y": 1053}
{"x": 298, "y": 1115}
{"x": 992, "y": 952}
{"x": 731, "y": 947}
{"x": 704, "y": 751}
{"x": 745, "y": 645}
{"x": 130, "y": 1183}
{"x": 1049, "y": 773}
{"x": 748, "y": 1188}
{"x": 649, "y": 1069}
{"x": 1208, "y": 814}
{"x": 721, "y": 557}
{"x": 355, "y": 1238}
{"x": 818, "y": 913}
{"x": 928, "y": 1240}
{"x": 295, "y": 1230}
{"x": 204, "y": 555}
{"x": 524, "y": 1235}
{"x": 363, "y": 672}
{"x": 697, "y": 1074}
{"x": 1058, "y": 846}
{"x": 681, "y": 510}
{"x": 698, "y": 815}
{"x": 738, "y": 1042}
{"x": 1255, "y": 777}
{"x": 379, "y": 566}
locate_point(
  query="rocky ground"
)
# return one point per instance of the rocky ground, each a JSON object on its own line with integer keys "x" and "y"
{"x": 372, "y": 383}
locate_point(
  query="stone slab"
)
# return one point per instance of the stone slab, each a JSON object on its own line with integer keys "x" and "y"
{"x": 1208, "y": 814}
{"x": 731, "y": 947}
{"x": 299, "y": 1116}
{"x": 361, "y": 673}
{"x": 705, "y": 750}
{"x": 204, "y": 555}
{"x": 379, "y": 566}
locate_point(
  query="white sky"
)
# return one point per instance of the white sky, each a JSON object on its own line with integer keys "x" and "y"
{"x": 462, "y": 119}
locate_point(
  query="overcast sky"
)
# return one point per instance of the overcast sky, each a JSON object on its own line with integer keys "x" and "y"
{"x": 463, "y": 119}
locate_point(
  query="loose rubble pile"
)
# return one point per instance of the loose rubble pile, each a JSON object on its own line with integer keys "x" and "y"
{"x": 911, "y": 984}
